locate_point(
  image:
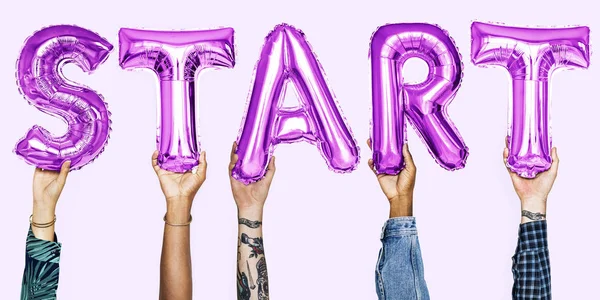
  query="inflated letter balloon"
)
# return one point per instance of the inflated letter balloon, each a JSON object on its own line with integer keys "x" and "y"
{"x": 42, "y": 83}
{"x": 424, "y": 104}
{"x": 287, "y": 57}
{"x": 530, "y": 55}
{"x": 177, "y": 58}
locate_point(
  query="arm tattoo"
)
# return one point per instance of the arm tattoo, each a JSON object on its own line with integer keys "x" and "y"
{"x": 256, "y": 244}
{"x": 251, "y": 224}
{"x": 533, "y": 216}
{"x": 263, "y": 279}
{"x": 252, "y": 286}
{"x": 243, "y": 292}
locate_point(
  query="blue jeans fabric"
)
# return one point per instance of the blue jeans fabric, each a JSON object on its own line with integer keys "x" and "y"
{"x": 399, "y": 272}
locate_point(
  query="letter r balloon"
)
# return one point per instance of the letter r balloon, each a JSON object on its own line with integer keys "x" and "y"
{"x": 287, "y": 57}
{"x": 424, "y": 104}
{"x": 531, "y": 55}
{"x": 177, "y": 58}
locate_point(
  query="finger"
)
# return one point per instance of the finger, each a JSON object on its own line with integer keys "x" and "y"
{"x": 64, "y": 172}
{"x": 372, "y": 165}
{"x": 233, "y": 150}
{"x": 505, "y": 159}
{"x": 506, "y": 142}
{"x": 408, "y": 159}
{"x": 369, "y": 144}
{"x": 555, "y": 160}
{"x": 270, "y": 169}
{"x": 233, "y": 158}
{"x": 202, "y": 165}
{"x": 155, "y": 161}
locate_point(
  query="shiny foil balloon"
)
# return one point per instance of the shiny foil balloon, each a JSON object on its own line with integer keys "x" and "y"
{"x": 423, "y": 104}
{"x": 177, "y": 58}
{"x": 42, "y": 83}
{"x": 531, "y": 55}
{"x": 286, "y": 57}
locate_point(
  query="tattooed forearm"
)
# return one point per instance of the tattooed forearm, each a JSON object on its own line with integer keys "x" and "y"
{"x": 251, "y": 267}
{"x": 263, "y": 279}
{"x": 256, "y": 244}
{"x": 533, "y": 216}
{"x": 251, "y": 224}
{"x": 242, "y": 285}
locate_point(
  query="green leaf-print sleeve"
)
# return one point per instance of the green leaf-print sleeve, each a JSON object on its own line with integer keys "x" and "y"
{"x": 40, "y": 279}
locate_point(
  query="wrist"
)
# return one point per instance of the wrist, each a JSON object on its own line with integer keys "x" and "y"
{"x": 533, "y": 211}
{"x": 251, "y": 212}
{"x": 178, "y": 211}
{"x": 401, "y": 206}
{"x": 43, "y": 213}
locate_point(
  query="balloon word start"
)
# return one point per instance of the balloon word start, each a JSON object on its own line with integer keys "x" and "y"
{"x": 530, "y": 55}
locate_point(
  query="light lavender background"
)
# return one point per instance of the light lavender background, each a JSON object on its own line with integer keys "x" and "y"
{"x": 321, "y": 229}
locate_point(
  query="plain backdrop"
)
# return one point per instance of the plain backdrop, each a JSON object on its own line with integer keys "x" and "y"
{"x": 321, "y": 229}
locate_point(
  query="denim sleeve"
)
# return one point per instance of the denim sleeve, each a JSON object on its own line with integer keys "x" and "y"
{"x": 40, "y": 279}
{"x": 399, "y": 271}
{"x": 531, "y": 263}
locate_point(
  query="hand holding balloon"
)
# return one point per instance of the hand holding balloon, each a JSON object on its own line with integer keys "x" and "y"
{"x": 47, "y": 187}
{"x": 180, "y": 188}
{"x": 398, "y": 188}
{"x": 250, "y": 197}
{"x": 533, "y": 192}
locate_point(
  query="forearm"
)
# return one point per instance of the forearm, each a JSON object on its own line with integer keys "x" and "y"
{"x": 176, "y": 262}
{"x": 252, "y": 277}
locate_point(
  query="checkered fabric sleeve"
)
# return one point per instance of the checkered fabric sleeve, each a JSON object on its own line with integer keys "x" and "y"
{"x": 531, "y": 263}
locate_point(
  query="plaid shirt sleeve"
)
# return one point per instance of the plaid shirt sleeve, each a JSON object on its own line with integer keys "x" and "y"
{"x": 531, "y": 263}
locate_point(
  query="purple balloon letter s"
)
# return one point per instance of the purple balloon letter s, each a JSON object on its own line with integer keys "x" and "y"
{"x": 177, "y": 57}
{"x": 287, "y": 57}
{"x": 40, "y": 79}
{"x": 530, "y": 55}
{"x": 424, "y": 103}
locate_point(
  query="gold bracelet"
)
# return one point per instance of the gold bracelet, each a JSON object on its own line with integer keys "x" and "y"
{"x": 177, "y": 225}
{"x": 41, "y": 225}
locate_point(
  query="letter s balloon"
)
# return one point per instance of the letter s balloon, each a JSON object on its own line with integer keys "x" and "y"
{"x": 42, "y": 83}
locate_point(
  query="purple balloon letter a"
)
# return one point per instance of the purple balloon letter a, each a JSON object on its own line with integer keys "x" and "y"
{"x": 286, "y": 57}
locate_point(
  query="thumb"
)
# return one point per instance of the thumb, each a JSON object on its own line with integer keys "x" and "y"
{"x": 64, "y": 172}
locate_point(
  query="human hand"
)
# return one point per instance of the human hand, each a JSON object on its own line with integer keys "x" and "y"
{"x": 180, "y": 188}
{"x": 398, "y": 188}
{"x": 47, "y": 187}
{"x": 533, "y": 192}
{"x": 250, "y": 197}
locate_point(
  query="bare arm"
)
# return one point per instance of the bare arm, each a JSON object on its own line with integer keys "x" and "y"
{"x": 252, "y": 277}
{"x": 42, "y": 256}
{"x": 176, "y": 261}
